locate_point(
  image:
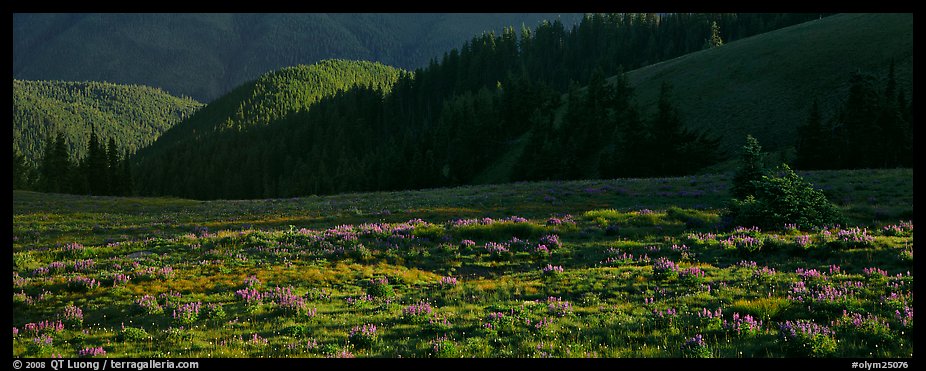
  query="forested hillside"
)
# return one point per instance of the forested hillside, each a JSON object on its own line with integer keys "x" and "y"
{"x": 134, "y": 116}
{"x": 207, "y": 55}
{"x": 445, "y": 123}
{"x": 221, "y": 140}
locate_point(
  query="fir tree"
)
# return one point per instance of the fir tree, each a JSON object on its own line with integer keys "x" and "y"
{"x": 751, "y": 169}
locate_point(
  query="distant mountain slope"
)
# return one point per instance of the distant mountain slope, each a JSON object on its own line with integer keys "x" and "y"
{"x": 764, "y": 85}
{"x": 273, "y": 97}
{"x": 206, "y": 55}
{"x": 134, "y": 115}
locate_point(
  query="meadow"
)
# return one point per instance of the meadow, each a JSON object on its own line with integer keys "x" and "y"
{"x": 604, "y": 268}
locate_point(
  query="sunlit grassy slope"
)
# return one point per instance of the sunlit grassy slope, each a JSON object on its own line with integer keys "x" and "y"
{"x": 764, "y": 85}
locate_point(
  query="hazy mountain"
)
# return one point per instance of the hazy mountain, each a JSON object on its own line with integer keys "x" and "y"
{"x": 206, "y": 55}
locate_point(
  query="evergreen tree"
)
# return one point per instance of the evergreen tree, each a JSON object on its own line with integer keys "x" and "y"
{"x": 57, "y": 170}
{"x": 665, "y": 135}
{"x": 813, "y": 148}
{"x": 715, "y": 40}
{"x": 751, "y": 169}
{"x": 112, "y": 168}
{"x": 94, "y": 166}
{"x": 21, "y": 171}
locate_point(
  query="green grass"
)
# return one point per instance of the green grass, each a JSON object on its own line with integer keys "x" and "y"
{"x": 502, "y": 305}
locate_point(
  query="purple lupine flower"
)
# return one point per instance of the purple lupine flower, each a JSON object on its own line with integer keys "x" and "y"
{"x": 763, "y": 273}
{"x": 250, "y": 295}
{"x": 680, "y": 248}
{"x": 41, "y": 271}
{"x": 553, "y": 221}
{"x": 360, "y": 299}
{"x": 802, "y": 240}
{"x": 541, "y": 250}
{"x": 741, "y": 230}
{"x": 166, "y": 272}
{"x": 707, "y": 314}
{"x": 747, "y": 264}
{"x": 257, "y": 340}
{"x": 835, "y": 269}
{"x": 790, "y": 330}
{"x": 497, "y": 248}
{"x": 808, "y": 273}
{"x": 664, "y": 267}
{"x": 344, "y": 353}
{"x": 855, "y": 235}
{"x": 72, "y": 315}
{"x": 56, "y": 266}
{"x": 516, "y": 219}
{"x": 91, "y": 352}
{"x": 693, "y": 272}
{"x": 696, "y": 341}
{"x": 543, "y": 324}
{"x": 495, "y": 316}
{"x": 187, "y": 313}
{"x": 551, "y": 241}
{"x": 83, "y": 283}
{"x": 73, "y": 248}
{"x": 284, "y": 298}
{"x": 43, "y": 340}
{"x": 121, "y": 279}
{"x": 905, "y": 318}
{"x": 667, "y": 313}
{"x": 872, "y": 271}
{"x": 252, "y": 282}
{"x": 16, "y": 330}
{"x": 420, "y": 309}
{"x": 44, "y": 327}
{"x": 363, "y": 335}
{"x": 552, "y": 269}
{"x": 148, "y": 304}
{"x": 558, "y": 306}
{"x": 467, "y": 243}
{"x": 696, "y": 347}
{"x": 448, "y": 281}
{"x": 741, "y": 324}
{"x": 83, "y": 265}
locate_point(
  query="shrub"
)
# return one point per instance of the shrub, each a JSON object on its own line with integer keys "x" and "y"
{"x": 784, "y": 199}
{"x": 72, "y": 316}
{"x": 442, "y": 347}
{"x": 148, "y": 304}
{"x": 664, "y": 269}
{"x": 807, "y": 338}
{"x": 133, "y": 334}
{"x": 363, "y": 335}
{"x": 696, "y": 348}
{"x": 380, "y": 288}
{"x": 213, "y": 311}
{"x": 187, "y": 314}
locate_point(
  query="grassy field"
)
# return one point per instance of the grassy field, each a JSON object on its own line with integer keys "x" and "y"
{"x": 609, "y": 268}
